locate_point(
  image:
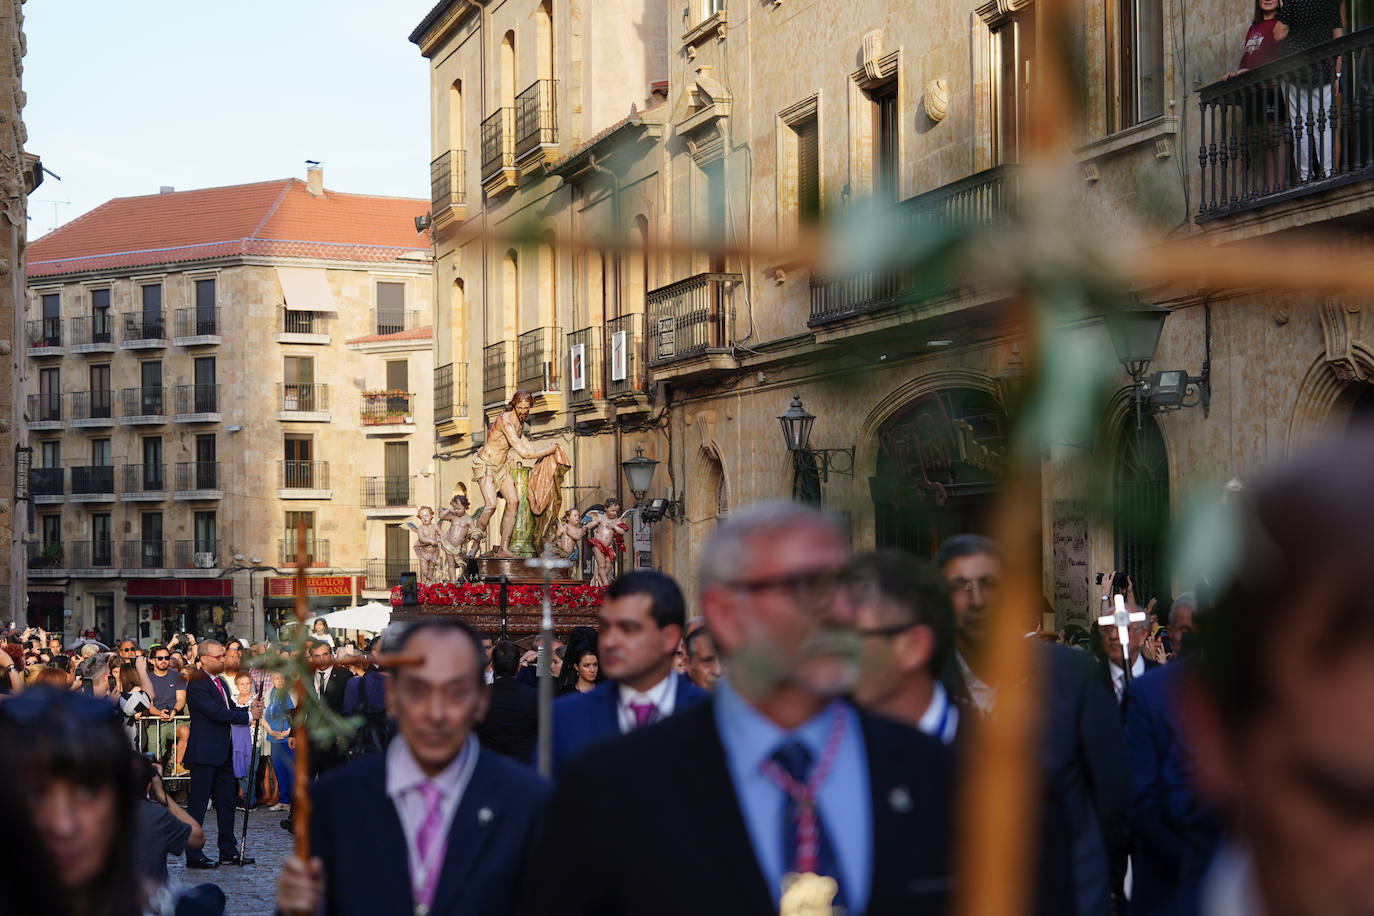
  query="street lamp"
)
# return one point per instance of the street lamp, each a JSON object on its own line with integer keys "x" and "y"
{"x": 639, "y": 472}
{"x": 252, "y": 570}
{"x": 810, "y": 463}
{"x": 1135, "y": 331}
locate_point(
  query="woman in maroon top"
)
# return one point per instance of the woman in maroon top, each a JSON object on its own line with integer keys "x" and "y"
{"x": 1267, "y": 151}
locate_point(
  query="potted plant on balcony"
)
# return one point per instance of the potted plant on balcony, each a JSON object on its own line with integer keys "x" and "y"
{"x": 51, "y": 556}
{"x": 385, "y": 407}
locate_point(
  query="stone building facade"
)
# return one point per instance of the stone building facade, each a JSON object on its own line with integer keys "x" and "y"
{"x": 206, "y": 370}
{"x": 781, "y": 115}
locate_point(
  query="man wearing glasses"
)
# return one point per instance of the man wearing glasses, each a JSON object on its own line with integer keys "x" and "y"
{"x": 209, "y": 753}
{"x": 168, "y": 690}
{"x": 775, "y": 789}
{"x": 1083, "y": 753}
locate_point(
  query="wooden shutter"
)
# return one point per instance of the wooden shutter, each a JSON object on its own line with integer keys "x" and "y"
{"x": 808, "y": 171}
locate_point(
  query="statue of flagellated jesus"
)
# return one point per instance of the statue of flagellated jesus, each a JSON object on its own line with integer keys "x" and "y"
{"x": 494, "y": 461}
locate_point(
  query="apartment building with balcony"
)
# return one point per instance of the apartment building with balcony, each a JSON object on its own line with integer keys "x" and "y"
{"x": 544, "y": 117}
{"x": 205, "y": 372}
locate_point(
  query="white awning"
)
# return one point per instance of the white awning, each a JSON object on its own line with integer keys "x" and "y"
{"x": 305, "y": 289}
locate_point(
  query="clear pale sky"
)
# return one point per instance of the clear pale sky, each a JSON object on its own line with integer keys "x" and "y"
{"x": 130, "y": 95}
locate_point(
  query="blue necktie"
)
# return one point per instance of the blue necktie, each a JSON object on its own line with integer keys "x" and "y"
{"x": 795, "y": 760}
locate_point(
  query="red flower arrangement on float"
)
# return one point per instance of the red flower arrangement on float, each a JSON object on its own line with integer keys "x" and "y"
{"x": 481, "y": 594}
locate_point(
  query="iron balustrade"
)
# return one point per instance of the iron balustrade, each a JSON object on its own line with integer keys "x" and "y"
{"x": 45, "y": 332}
{"x": 585, "y": 367}
{"x": 498, "y": 371}
{"x": 294, "y": 397}
{"x": 303, "y": 475}
{"x": 316, "y": 551}
{"x": 386, "y": 492}
{"x": 387, "y": 573}
{"x": 46, "y": 481}
{"x": 197, "y": 322}
{"x": 1261, "y": 127}
{"x": 92, "y": 329}
{"x": 92, "y": 405}
{"x": 383, "y": 408}
{"x": 45, "y": 407}
{"x": 536, "y": 116}
{"x": 196, "y": 554}
{"x": 625, "y": 355}
{"x": 197, "y": 475}
{"x": 93, "y": 480}
{"x": 986, "y": 199}
{"x": 297, "y": 322}
{"x": 538, "y": 353}
{"x": 443, "y": 393}
{"x": 498, "y": 142}
{"x": 46, "y": 556}
{"x": 395, "y": 320}
{"x": 197, "y": 399}
{"x": 145, "y": 326}
{"x": 145, "y": 554}
{"x": 144, "y": 478}
{"x": 144, "y": 402}
{"x": 95, "y": 554}
{"x": 448, "y": 180}
{"x": 688, "y": 317}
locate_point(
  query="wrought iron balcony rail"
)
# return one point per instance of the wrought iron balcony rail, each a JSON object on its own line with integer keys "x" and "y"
{"x": 293, "y": 397}
{"x": 498, "y": 142}
{"x": 387, "y": 492}
{"x": 498, "y": 371}
{"x": 144, "y": 402}
{"x": 316, "y": 551}
{"x": 47, "y": 556}
{"x": 383, "y": 408}
{"x": 387, "y": 573}
{"x": 293, "y": 321}
{"x": 145, "y": 554}
{"x": 44, "y": 332}
{"x": 93, "y": 480}
{"x": 303, "y": 475}
{"x": 94, "y": 554}
{"x": 443, "y": 393}
{"x": 395, "y": 320}
{"x": 1261, "y": 127}
{"x": 536, "y": 116}
{"x": 586, "y": 378}
{"x": 538, "y": 349}
{"x": 47, "y": 481}
{"x": 197, "y": 475}
{"x": 984, "y": 199}
{"x": 46, "y": 407}
{"x": 197, "y": 322}
{"x": 144, "y": 478}
{"x": 196, "y": 554}
{"x": 625, "y": 355}
{"x": 197, "y": 398}
{"x": 688, "y": 317}
{"x": 448, "y": 180}
{"x": 145, "y": 326}
{"x": 92, "y": 405}
{"x": 92, "y": 329}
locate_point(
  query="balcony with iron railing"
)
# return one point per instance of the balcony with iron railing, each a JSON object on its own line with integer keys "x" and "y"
{"x": 986, "y": 199}
{"x": 47, "y": 559}
{"x": 690, "y": 318}
{"x": 586, "y": 378}
{"x": 92, "y": 333}
{"x": 498, "y": 151}
{"x": 93, "y": 484}
{"x": 448, "y": 186}
{"x": 143, "y": 555}
{"x": 386, "y": 573}
{"x": 197, "y": 480}
{"x": 443, "y": 393}
{"x": 143, "y": 330}
{"x": 396, "y": 320}
{"x": 316, "y": 551}
{"x": 45, "y": 410}
{"x": 196, "y": 554}
{"x": 44, "y": 337}
{"x": 48, "y": 485}
{"x": 299, "y": 327}
{"x": 94, "y": 555}
{"x": 91, "y": 408}
{"x": 498, "y": 372}
{"x": 146, "y": 405}
{"x": 303, "y": 402}
{"x": 143, "y": 482}
{"x": 1278, "y": 133}
{"x": 539, "y": 360}
{"x": 388, "y": 493}
{"x": 303, "y": 480}
{"x": 625, "y": 375}
{"x": 197, "y": 327}
{"x": 388, "y": 411}
{"x": 197, "y": 404}
{"x": 536, "y": 119}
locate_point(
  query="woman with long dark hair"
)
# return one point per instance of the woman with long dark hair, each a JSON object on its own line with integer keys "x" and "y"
{"x": 581, "y": 640}
{"x": 66, "y": 758}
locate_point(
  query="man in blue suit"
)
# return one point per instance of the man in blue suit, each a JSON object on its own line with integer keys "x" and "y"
{"x": 209, "y": 753}
{"x": 642, "y": 619}
{"x": 434, "y": 825}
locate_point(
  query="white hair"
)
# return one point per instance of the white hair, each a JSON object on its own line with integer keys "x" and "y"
{"x": 730, "y": 549}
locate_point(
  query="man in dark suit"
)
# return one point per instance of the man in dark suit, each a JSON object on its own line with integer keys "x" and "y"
{"x": 209, "y": 753}
{"x": 435, "y": 824}
{"x": 1110, "y": 670}
{"x": 512, "y": 721}
{"x": 711, "y": 810}
{"x": 331, "y": 683}
{"x": 1086, "y": 780}
{"x": 642, "y": 616}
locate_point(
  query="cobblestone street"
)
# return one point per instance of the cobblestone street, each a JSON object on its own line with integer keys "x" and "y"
{"x": 249, "y": 891}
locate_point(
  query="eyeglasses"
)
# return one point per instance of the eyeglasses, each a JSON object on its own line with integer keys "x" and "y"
{"x": 890, "y": 630}
{"x": 812, "y": 589}
{"x": 982, "y": 583}
{"x": 161, "y": 658}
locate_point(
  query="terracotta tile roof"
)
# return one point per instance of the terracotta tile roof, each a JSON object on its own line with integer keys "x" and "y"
{"x": 424, "y": 333}
{"x": 271, "y": 218}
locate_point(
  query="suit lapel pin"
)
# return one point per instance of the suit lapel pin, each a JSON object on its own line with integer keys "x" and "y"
{"x": 900, "y": 799}
{"x": 484, "y": 816}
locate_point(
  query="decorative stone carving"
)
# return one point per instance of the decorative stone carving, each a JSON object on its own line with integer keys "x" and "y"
{"x": 873, "y": 54}
{"x": 1349, "y": 360}
{"x": 5, "y": 348}
{"x": 937, "y": 100}
{"x": 4, "y": 507}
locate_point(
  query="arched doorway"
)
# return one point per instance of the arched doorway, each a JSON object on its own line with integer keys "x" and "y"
{"x": 941, "y": 461}
{"x": 1140, "y": 518}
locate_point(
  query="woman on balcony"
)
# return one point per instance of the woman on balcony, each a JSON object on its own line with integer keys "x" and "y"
{"x": 1309, "y": 91}
{"x": 1267, "y": 151}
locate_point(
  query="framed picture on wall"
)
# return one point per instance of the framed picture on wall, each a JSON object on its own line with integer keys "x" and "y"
{"x": 577, "y": 358}
{"x": 618, "y": 354}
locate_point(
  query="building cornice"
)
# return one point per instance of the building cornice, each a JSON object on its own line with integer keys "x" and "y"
{"x": 440, "y": 22}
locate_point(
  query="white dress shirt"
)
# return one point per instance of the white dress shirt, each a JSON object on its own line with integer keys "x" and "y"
{"x": 403, "y": 779}
{"x": 1119, "y": 674}
{"x": 941, "y": 718}
{"x": 984, "y": 695}
{"x": 663, "y": 695}
{"x": 1229, "y": 888}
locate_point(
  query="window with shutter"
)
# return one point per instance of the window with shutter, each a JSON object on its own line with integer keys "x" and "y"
{"x": 808, "y": 170}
